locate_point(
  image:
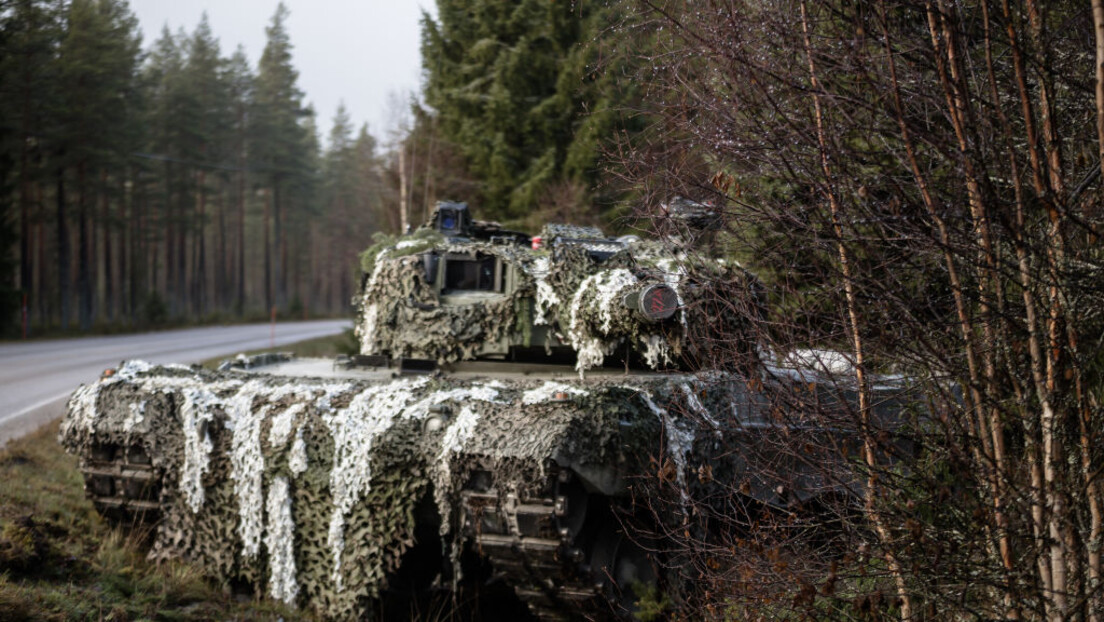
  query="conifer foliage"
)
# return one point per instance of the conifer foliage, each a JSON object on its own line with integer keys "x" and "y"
{"x": 168, "y": 183}
{"x": 524, "y": 92}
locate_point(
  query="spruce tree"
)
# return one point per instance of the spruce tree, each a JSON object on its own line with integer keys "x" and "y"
{"x": 98, "y": 59}
{"x": 512, "y": 84}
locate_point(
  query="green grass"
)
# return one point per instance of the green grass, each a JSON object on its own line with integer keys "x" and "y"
{"x": 59, "y": 560}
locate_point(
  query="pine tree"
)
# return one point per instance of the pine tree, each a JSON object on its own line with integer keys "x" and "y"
{"x": 207, "y": 118}
{"x": 239, "y": 79}
{"x": 98, "y": 58}
{"x": 145, "y": 167}
{"x": 278, "y": 139}
{"x": 166, "y": 121}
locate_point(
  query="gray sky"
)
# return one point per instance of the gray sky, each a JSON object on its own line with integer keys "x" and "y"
{"x": 356, "y": 51}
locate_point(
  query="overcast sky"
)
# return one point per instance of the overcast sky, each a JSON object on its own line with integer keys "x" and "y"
{"x": 356, "y": 51}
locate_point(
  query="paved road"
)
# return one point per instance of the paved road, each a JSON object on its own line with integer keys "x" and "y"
{"x": 37, "y": 377}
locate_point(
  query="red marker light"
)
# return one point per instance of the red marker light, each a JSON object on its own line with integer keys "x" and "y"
{"x": 658, "y": 302}
{"x": 536, "y": 242}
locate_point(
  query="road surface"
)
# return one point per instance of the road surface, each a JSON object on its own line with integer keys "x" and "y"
{"x": 37, "y": 377}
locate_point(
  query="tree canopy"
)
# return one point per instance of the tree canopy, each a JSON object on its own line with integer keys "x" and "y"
{"x": 527, "y": 93}
{"x": 168, "y": 183}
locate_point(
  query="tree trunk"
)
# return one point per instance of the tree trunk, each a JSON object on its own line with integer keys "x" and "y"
{"x": 169, "y": 242}
{"x": 278, "y": 268}
{"x": 1096, "y": 529}
{"x": 403, "y": 223}
{"x": 1098, "y": 26}
{"x": 105, "y": 228}
{"x": 240, "y": 303}
{"x": 25, "y": 250}
{"x": 42, "y": 274}
{"x": 267, "y": 255}
{"x": 64, "y": 251}
{"x": 201, "y": 246}
{"x": 84, "y": 249}
{"x": 871, "y": 491}
{"x": 221, "y": 266}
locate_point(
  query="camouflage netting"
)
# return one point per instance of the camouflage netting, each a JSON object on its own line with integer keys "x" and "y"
{"x": 400, "y": 315}
{"x": 306, "y": 488}
{"x": 579, "y": 298}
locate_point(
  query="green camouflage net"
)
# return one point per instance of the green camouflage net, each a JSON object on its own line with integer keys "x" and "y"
{"x": 306, "y": 489}
{"x": 400, "y": 314}
{"x": 577, "y": 300}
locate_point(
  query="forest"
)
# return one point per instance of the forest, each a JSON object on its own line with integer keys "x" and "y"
{"x": 170, "y": 182}
{"x": 173, "y": 180}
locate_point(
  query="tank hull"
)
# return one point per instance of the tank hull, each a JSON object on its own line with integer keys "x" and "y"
{"x": 325, "y": 487}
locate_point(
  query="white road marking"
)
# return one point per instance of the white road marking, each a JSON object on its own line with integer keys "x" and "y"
{"x": 45, "y": 402}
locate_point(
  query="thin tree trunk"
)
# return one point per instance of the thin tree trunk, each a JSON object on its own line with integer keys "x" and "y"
{"x": 42, "y": 273}
{"x": 1063, "y": 540}
{"x": 1095, "y": 494}
{"x": 403, "y": 223}
{"x": 278, "y": 269}
{"x": 169, "y": 241}
{"x": 105, "y": 228}
{"x": 221, "y": 266}
{"x": 240, "y": 303}
{"x": 84, "y": 249}
{"x": 1098, "y": 27}
{"x": 869, "y": 452}
{"x": 991, "y": 433}
{"x": 182, "y": 275}
{"x": 428, "y": 190}
{"x": 25, "y": 251}
{"x": 201, "y": 245}
{"x": 267, "y": 255}
{"x": 64, "y": 251}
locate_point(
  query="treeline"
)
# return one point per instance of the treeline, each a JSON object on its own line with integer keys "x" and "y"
{"x": 178, "y": 182}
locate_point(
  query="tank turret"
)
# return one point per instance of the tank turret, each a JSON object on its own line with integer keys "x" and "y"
{"x": 460, "y": 289}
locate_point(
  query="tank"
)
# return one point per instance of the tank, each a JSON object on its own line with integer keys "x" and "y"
{"x": 514, "y": 403}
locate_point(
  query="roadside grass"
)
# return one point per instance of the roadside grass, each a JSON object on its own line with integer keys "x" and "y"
{"x": 59, "y": 560}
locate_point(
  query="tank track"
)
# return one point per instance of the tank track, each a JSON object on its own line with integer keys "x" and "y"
{"x": 546, "y": 548}
{"x": 554, "y": 550}
{"x": 122, "y": 482}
